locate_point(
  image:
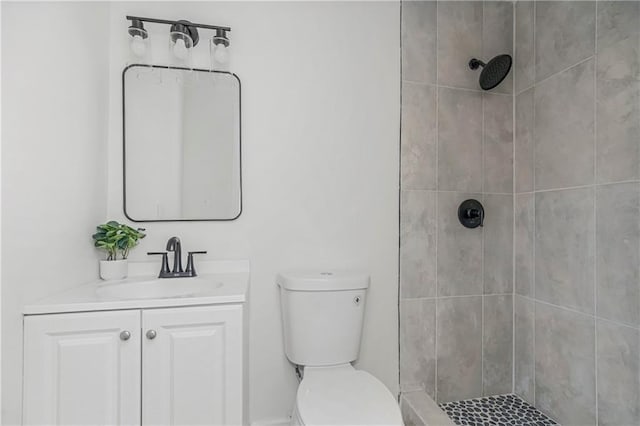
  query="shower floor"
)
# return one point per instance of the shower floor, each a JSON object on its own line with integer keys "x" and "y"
{"x": 497, "y": 410}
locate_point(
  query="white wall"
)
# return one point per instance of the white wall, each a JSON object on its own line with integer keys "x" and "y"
{"x": 321, "y": 102}
{"x": 54, "y": 106}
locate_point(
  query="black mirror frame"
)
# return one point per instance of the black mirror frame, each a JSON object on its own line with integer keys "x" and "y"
{"x": 124, "y": 152}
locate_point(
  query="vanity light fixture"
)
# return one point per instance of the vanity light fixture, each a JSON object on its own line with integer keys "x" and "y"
{"x": 183, "y": 37}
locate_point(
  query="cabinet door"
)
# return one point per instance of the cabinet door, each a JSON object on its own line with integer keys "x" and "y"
{"x": 192, "y": 368}
{"x": 79, "y": 370}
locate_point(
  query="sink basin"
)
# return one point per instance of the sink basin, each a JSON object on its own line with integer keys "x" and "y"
{"x": 158, "y": 288}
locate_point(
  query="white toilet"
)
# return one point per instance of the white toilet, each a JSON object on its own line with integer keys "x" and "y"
{"x": 322, "y": 314}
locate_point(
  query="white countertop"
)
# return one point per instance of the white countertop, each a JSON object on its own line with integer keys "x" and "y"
{"x": 232, "y": 275}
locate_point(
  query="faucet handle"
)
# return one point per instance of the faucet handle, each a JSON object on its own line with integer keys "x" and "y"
{"x": 191, "y": 269}
{"x": 165, "y": 261}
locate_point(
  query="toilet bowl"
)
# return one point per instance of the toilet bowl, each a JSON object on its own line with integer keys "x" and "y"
{"x": 342, "y": 395}
{"x": 322, "y": 316}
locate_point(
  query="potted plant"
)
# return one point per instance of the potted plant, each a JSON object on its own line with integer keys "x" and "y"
{"x": 114, "y": 238}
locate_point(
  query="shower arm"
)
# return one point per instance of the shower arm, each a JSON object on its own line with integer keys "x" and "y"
{"x": 475, "y": 63}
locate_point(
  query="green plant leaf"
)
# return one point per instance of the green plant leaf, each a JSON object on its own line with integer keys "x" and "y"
{"x": 113, "y": 237}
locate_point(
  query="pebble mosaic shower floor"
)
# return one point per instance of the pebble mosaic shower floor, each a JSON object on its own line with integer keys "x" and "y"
{"x": 507, "y": 410}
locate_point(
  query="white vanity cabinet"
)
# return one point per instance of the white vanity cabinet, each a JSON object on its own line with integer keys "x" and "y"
{"x": 79, "y": 371}
{"x": 192, "y": 366}
{"x": 164, "y": 366}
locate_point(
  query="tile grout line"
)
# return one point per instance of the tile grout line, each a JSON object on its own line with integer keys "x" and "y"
{"x": 513, "y": 204}
{"x": 482, "y": 189}
{"x": 595, "y": 216}
{"x": 437, "y": 279}
{"x": 455, "y": 191}
{"x": 532, "y": 285}
{"x": 568, "y": 188}
{"x": 585, "y": 314}
{"x": 443, "y": 86}
{"x": 619, "y": 182}
{"x": 544, "y": 80}
{"x": 454, "y": 296}
{"x": 400, "y": 213}
{"x": 473, "y": 192}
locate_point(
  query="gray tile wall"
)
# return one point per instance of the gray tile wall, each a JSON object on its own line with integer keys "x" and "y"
{"x": 456, "y": 284}
{"x": 577, "y": 210}
{"x": 566, "y": 175}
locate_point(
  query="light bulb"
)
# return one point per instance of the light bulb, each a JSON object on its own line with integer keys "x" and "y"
{"x": 221, "y": 54}
{"x": 138, "y": 46}
{"x": 180, "y": 50}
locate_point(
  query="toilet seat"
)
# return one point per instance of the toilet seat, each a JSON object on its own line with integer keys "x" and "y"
{"x": 342, "y": 395}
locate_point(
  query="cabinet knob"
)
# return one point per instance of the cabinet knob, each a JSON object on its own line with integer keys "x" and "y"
{"x": 151, "y": 334}
{"x": 125, "y": 335}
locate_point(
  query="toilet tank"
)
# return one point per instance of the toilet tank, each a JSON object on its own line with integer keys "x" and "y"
{"x": 322, "y": 314}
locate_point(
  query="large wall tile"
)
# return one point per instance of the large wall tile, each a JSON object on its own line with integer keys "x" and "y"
{"x": 498, "y": 143}
{"x": 524, "y": 212}
{"x": 459, "y": 40}
{"x": 565, "y": 35}
{"x": 524, "y": 142}
{"x": 564, "y": 248}
{"x": 498, "y": 244}
{"x": 618, "y": 40}
{"x": 418, "y": 158}
{"x": 618, "y": 130}
{"x": 564, "y": 128}
{"x": 459, "y": 249}
{"x": 459, "y": 140}
{"x": 565, "y": 365}
{"x": 497, "y": 345}
{"x": 459, "y": 349}
{"x": 417, "y": 244}
{"x": 618, "y": 252}
{"x": 497, "y": 36}
{"x": 524, "y": 367}
{"x": 419, "y": 41}
{"x": 524, "y": 61}
{"x": 618, "y": 375}
{"x": 417, "y": 345}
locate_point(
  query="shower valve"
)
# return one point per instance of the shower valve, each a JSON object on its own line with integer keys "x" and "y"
{"x": 471, "y": 214}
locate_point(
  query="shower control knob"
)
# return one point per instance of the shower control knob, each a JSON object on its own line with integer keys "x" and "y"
{"x": 471, "y": 214}
{"x": 125, "y": 335}
{"x": 151, "y": 334}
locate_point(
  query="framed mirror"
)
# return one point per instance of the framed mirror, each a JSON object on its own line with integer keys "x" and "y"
{"x": 181, "y": 144}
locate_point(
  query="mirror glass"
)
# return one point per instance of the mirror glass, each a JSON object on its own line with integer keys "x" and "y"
{"x": 181, "y": 144}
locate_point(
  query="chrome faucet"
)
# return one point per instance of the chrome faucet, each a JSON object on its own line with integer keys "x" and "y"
{"x": 175, "y": 246}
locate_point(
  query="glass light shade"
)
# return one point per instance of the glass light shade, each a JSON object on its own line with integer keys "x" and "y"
{"x": 181, "y": 45}
{"x": 219, "y": 52}
{"x": 139, "y": 46}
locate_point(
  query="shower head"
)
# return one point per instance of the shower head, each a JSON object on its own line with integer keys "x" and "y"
{"x": 493, "y": 72}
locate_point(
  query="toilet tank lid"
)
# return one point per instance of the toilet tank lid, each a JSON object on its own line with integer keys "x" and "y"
{"x": 322, "y": 280}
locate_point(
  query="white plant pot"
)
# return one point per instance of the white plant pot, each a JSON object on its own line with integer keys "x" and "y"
{"x": 114, "y": 269}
